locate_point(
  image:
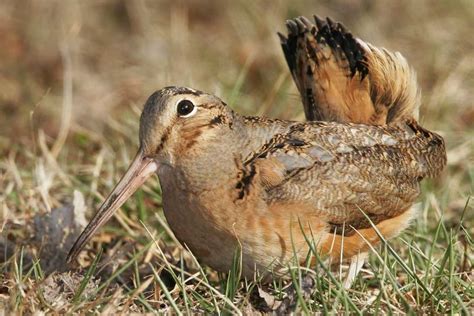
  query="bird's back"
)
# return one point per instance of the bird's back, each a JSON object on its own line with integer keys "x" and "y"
{"x": 344, "y": 169}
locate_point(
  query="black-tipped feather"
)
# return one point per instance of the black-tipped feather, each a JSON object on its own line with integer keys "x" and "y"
{"x": 341, "y": 78}
{"x": 334, "y": 34}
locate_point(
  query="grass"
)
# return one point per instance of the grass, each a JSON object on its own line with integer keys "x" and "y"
{"x": 74, "y": 78}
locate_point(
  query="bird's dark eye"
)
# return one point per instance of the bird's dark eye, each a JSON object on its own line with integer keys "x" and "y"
{"x": 185, "y": 107}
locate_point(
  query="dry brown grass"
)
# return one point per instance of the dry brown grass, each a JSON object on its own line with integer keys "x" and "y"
{"x": 74, "y": 76}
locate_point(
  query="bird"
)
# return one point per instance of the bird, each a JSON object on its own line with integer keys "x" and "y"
{"x": 276, "y": 189}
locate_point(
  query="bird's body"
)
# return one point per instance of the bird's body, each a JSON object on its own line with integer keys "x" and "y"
{"x": 272, "y": 187}
{"x": 273, "y": 184}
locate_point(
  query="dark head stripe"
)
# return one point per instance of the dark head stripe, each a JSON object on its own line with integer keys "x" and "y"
{"x": 172, "y": 90}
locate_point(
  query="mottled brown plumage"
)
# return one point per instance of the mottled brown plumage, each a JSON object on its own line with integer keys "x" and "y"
{"x": 332, "y": 160}
{"x": 269, "y": 185}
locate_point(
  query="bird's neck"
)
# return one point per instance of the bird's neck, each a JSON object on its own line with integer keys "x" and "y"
{"x": 217, "y": 159}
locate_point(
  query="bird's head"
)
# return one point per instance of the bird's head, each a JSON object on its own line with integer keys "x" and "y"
{"x": 175, "y": 117}
{"x": 173, "y": 120}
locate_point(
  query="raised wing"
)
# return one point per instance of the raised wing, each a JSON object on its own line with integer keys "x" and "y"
{"x": 343, "y": 79}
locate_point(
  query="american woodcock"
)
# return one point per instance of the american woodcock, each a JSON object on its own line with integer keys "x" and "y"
{"x": 268, "y": 186}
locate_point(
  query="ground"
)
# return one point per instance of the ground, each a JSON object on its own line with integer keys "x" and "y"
{"x": 73, "y": 79}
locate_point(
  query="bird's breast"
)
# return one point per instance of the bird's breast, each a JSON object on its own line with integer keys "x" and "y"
{"x": 213, "y": 225}
{"x": 197, "y": 219}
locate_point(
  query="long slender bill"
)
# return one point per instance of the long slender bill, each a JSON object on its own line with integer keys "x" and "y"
{"x": 138, "y": 172}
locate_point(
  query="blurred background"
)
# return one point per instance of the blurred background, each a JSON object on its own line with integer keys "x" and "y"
{"x": 116, "y": 53}
{"x": 75, "y": 74}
